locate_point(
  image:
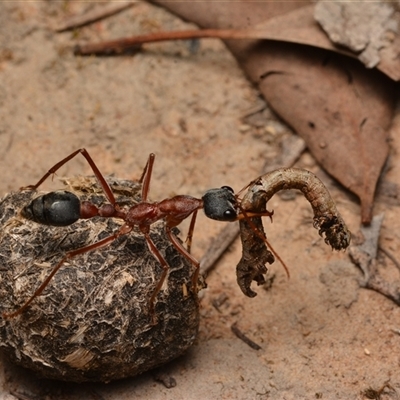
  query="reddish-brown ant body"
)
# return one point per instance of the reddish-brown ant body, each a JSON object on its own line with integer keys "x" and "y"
{"x": 62, "y": 208}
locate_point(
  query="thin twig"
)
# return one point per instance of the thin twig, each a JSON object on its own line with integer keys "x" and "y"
{"x": 390, "y": 256}
{"x": 218, "y": 247}
{"x": 218, "y": 302}
{"x": 243, "y": 337}
{"x": 123, "y": 44}
{"x": 94, "y": 15}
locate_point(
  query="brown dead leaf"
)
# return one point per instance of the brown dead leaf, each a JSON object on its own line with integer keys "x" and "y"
{"x": 341, "y": 109}
{"x": 364, "y": 30}
{"x": 372, "y": 29}
{"x": 364, "y": 255}
{"x": 294, "y": 22}
{"x": 230, "y": 14}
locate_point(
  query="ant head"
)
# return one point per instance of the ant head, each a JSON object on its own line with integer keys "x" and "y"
{"x": 221, "y": 204}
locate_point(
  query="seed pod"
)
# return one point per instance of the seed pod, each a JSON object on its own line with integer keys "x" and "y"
{"x": 327, "y": 220}
{"x": 92, "y": 322}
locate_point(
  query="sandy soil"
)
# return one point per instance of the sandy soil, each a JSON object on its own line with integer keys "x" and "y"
{"x": 321, "y": 336}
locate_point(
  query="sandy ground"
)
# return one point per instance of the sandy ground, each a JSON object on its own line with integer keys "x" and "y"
{"x": 321, "y": 336}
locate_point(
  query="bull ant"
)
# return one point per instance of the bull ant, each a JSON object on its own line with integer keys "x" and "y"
{"x": 63, "y": 208}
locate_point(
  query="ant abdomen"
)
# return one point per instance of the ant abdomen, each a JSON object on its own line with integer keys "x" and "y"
{"x": 60, "y": 208}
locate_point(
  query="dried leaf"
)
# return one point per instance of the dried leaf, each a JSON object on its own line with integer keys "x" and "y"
{"x": 286, "y": 21}
{"x": 365, "y": 253}
{"x": 341, "y": 109}
{"x": 364, "y": 256}
{"x": 230, "y": 14}
{"x": 265, "y": 21}
{"x": 361, "y": 29}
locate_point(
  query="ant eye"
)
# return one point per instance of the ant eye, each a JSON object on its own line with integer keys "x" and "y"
{"x": 230, "y": 215}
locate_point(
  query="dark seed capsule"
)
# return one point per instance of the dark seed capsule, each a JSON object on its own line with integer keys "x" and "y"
{"x": 60, "y": 208}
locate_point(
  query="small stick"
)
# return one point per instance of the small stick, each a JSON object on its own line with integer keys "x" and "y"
{"x": 122, "y": 44}
{"x": 93, "y": 15}
{"x": 218, "y": 246}
{"x": 390, "y": 256}
{"x": 244, "y": 338}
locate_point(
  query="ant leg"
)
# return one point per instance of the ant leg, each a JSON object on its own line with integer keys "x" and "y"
{"x": 185, "y": 253}
{"x": 247, "y": 186}
{"x": 146, "y": 176}
{"x": 100, "y": 178}
{"x": 153, "y": 249}
{"x": 71, "y": 254}
{"x": 189, "y": 236}
{"x": 247, "y": 216}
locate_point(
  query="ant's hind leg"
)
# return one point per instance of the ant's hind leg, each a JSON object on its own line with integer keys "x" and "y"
{"x": 103, "y": 183}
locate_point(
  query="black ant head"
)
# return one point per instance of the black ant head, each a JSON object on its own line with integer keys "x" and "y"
{"x": 221, "y": 204}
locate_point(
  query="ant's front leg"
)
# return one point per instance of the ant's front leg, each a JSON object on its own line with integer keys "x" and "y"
{"x": 189, "y": 237}
{"x": 158, "y": 256}
{"x": 249, "y": 214}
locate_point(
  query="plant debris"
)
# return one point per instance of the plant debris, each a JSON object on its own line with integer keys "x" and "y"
{"x": 376, "y": 394}
{"x": 244, "y": 338}
{"x": 327, "y": 220}
{"x": 364, "y": 256}
{"x": 362, "y": 29}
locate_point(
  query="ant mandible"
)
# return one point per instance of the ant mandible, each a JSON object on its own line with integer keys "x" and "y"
{"x": 62, "y": 208}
